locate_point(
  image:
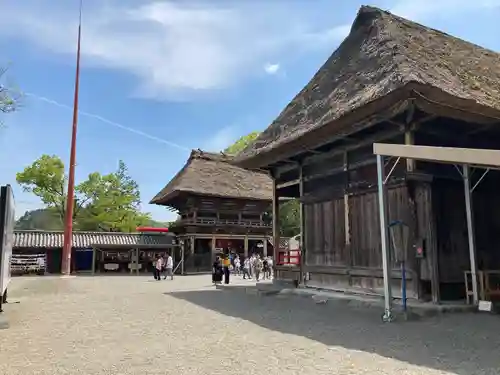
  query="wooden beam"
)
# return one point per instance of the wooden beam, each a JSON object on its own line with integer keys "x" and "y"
{"x": 339, "y": 170}
{"x": 365, "y": 142}
{"x": 276, "y": 222}
{"x": 450, "y": 155}
{"x": 288, "y": 184}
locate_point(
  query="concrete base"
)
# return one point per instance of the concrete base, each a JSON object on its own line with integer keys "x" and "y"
{"x": 415, "y": 309}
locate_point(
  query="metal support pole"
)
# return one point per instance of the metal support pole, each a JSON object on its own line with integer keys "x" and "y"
{"x": 384, "y": 240}
{"x": 469, "y": 212}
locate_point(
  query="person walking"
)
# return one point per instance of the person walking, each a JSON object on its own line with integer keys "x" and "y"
{"x": 217, "y": 271}
{"x": 169, "y": 267}
{"x": 270, "y": 266}
{"x": 237, "y": 265}
{"x": 257, "y": 267}
{"x": 226, "y": 262}
{"x": 246, "y": 269}
{"x": 158, "y": 267}
{"x": 265, "y": 268}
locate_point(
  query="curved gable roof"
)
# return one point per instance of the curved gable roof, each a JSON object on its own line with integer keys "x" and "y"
{"x": 214, "y": 174}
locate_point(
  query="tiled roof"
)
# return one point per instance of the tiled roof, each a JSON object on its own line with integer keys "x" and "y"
{"x": 48, "y": 239}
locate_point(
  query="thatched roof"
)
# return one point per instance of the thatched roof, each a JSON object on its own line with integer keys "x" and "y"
{"x": 384, "y": 60}
{"x": 207, "y": 173}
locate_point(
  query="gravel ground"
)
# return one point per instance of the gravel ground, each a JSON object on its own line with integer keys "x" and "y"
{"x": 134, "y": 325}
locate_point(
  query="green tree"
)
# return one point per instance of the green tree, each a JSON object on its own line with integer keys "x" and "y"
{"x": 289, "y": 210}
{"x": 9, "y": 98}
{"x": 241, "y": 143}
{"x": 108, "y": 202}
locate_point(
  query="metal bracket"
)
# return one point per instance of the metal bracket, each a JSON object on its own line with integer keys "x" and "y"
{"x": 392, "y": 170}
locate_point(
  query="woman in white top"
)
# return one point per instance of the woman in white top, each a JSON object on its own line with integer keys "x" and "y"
{"x": 158, "y": 267}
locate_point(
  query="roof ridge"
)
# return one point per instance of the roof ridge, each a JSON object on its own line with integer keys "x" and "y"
{"x": 86, "y": 232}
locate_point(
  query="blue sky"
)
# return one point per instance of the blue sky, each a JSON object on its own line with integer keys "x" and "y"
{"x": 161, "y": 77}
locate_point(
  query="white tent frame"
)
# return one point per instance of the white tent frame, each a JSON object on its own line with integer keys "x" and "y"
{"x": 467, "y": 158}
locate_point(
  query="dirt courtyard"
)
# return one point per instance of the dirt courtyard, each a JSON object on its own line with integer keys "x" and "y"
{"x": 135, "y": 325}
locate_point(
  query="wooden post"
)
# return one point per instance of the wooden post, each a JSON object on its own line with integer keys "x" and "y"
{"x": 191, "y": 247}
{"x": 410, "y": 140}
{"x": 137, "y": 261}
{"x": 276, "y": 225}
{"x": 302, "y": 227}
{"x": 245, "y": 247}
{"x": 346, "y": 202}
{"x": 264, "y": 243}
{"x": 183, "y": 249}
{"x": 93, "y": 261}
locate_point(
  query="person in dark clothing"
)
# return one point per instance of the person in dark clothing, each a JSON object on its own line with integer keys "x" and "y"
{"x": 217, "y": 272}
{"x": 265, "y": 268}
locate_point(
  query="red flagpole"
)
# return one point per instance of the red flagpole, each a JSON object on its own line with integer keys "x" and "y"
{"x": 70, "y": 198}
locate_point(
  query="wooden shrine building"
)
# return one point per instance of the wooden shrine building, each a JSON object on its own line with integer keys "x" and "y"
{"x": 38, "y": 251}
{"x": 221, "y": 207}
{"x": 393, "y": 81}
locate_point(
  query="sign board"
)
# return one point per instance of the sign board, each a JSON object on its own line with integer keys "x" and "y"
{"x": 7, "y": 222}
{"x": 485, "y": 306}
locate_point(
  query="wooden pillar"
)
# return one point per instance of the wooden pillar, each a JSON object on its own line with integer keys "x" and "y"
{"x": 410, "y": 140}
{"x": 346, "y": 202}
{"x": 137, "y": 262}
{"x": 183, "y": 250}
{"x": 93, "y": 261}
{"x": 245, "y": 247}
{"x": 302, "y": 227}
{"x": 192, "y": 240}
{"x": 276, "y": 224}
{"x": 264, "y": 243}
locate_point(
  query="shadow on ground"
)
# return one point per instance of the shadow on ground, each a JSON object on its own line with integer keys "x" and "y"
{"x": 463, "y": 344}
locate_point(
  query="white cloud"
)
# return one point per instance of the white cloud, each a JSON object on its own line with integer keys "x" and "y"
{"x": 222, "y": 139}
{"x": 422, "y": 9}
{"x": 174, "y": 49}
{"x": 271, "y": 68}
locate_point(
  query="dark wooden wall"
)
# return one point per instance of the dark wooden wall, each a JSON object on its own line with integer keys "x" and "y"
{"x": 335, "y": 262}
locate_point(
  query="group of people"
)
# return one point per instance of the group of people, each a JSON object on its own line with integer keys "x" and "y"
{"x": 163, "y": 266}
{"x": 251, "y": 267}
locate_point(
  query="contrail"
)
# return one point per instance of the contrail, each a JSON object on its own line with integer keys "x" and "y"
{"x": 109, "y": 122}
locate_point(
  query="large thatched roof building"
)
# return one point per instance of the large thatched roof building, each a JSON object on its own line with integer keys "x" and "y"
{"x": 383, "y": 66}
{"x": 220, "y": 206}
{"x": 394, "y": 81}
{"x": 214, "y": 174}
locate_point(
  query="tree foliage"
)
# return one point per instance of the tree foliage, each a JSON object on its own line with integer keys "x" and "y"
{"x": 241, "y": 143}
{"x": 9, "y": 98}
{"x": 108, "y": 202}
{"x": 289, "y": 210}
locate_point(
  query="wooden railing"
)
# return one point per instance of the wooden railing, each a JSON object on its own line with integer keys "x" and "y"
{"x": 214, "y": 221}
{"x": 489, "y": 285}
